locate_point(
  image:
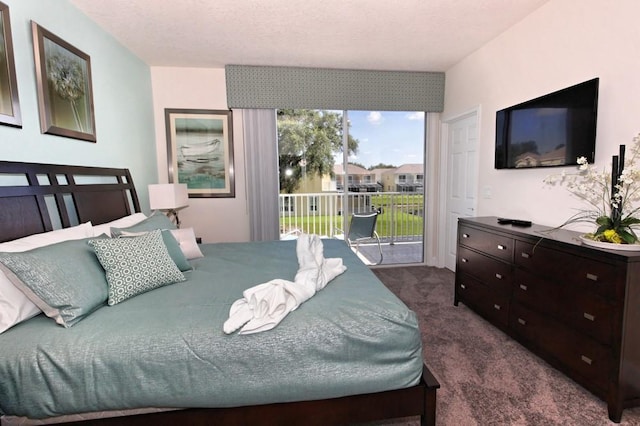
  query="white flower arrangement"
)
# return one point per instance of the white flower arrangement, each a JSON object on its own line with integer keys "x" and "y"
{"x": 613, "y": 197}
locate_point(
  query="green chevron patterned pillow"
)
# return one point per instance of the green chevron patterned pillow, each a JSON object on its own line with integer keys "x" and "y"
{"x": 135, "y": 265}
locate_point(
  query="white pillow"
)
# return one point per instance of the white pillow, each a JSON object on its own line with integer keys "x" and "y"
{"x": 15, "y": 307}
{"x": 46, "y": 238}
{"x": 123, "y": 222}
{"x": 187, "y": 240}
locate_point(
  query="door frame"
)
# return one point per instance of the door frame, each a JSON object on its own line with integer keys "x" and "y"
{"x": 443, "y": 207}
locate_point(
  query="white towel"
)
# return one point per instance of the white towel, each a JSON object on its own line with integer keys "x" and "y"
{"x": 265, "y": 305}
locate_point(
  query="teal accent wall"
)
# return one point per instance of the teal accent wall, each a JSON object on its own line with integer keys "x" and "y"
{"x": 122, "y": 95}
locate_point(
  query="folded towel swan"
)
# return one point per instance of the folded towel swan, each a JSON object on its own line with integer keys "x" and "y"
{"x": 263, "y": 306}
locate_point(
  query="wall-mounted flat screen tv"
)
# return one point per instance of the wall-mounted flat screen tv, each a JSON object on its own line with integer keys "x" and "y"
{"x": 549, "y": 131}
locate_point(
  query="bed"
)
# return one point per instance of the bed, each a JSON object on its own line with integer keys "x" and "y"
{"x": 350, "y": 354}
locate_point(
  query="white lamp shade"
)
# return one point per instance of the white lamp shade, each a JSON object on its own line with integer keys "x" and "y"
{"x": 168, "y": 196}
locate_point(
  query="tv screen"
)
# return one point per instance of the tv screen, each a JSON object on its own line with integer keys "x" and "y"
{"x": 549, "y": 131}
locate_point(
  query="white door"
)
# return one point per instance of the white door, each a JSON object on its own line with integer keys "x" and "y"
{"x": 462, "y": 176}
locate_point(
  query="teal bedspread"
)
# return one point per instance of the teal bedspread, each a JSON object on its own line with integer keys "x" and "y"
{"x": 166, "y": 348}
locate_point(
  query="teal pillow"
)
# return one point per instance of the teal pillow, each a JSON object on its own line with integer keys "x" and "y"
{"x": 135, "y": 265}
{"x": 173, "y": 247}
{"x": 65, "y": 280}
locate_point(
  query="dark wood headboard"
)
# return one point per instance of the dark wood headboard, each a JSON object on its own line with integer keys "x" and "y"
{"x": 37, "y": 197}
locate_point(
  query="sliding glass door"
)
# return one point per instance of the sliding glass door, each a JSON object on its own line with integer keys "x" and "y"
{"x": 374, "y": 163}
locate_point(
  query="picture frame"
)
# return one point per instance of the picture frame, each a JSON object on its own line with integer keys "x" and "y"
{"x": 9, "y": 101}
{"x": 63, "y": 77}
{"x": 200, "y": 151}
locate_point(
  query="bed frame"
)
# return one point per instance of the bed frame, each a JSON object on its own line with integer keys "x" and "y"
{"x": 37, "y": 198}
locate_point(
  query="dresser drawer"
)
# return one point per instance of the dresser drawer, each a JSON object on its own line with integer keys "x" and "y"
{"x": 590, "y": 315}
{"x": 492, "y": 305}
{"x": 494, "y": 273}
{"x": 584, "y": 274}
{"x": 536, "y": 292}
{"x": 576, "y": 352}
{"x": 486, "y": 242}
{"x": 586, "y": 312}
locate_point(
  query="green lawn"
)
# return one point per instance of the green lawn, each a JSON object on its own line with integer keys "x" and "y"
{"x": 385, "y": 200}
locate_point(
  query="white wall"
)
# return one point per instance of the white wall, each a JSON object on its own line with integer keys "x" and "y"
{"x": 214, "y": 219}
{"x": 563, "y": 43}
{"x": 121, "y": 91}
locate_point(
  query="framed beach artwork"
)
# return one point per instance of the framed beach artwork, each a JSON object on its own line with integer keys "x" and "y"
{"x": 200, "y": 151}
{"x": 9, "y": 103}
{"x": 65, "y": 97}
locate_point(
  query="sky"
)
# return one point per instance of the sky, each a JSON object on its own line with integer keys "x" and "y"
{"x": 389, "y": 137}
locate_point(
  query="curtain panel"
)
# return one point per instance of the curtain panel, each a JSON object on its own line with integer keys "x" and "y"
{"x": 261, "y": 154}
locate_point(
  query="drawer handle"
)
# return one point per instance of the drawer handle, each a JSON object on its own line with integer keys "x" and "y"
{"x": 496, "y": 307}
{"x": 521, "y": 321}
{"x": 499, "y": 276}
{"x": 589, "y": 316}
{"x": 465, "y": 235}
{"x": 462, "y": 286}
{"x": 501, "y": 247}
{"x": 463, "y": 260}
{"x": 525, "y": 255}
{"x": 523, "y": 287}
{"x": 586, "y": 359}
{"x": 592, "y": 277}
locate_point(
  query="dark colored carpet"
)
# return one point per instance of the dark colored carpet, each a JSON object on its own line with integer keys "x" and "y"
{"x": 486, "y": 377}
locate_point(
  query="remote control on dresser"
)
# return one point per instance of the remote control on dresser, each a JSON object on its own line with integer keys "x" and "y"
{"x": 514, "y": 222}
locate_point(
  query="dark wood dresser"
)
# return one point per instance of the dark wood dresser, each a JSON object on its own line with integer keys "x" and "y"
{"x": 575, "y": 306}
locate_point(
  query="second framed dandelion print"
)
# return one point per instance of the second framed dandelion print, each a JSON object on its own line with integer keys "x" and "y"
{"x": 9, "y": 103}
{"x": 65, "y": 97}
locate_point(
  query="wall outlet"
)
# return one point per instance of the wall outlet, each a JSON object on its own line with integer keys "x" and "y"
{"x": 486, "y": 192}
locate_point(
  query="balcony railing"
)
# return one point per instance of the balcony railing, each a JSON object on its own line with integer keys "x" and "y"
{"x": 401, "y": 216}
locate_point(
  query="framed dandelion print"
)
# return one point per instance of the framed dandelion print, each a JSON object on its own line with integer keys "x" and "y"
{"x": 200, "y": 151}
{"x": 9, "y": 104}
{"x": 65, "y": 97}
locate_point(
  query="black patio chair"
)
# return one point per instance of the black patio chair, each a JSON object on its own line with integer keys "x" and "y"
{"x": 363, "y": 228}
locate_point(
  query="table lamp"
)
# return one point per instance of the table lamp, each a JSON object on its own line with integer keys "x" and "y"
{"x": 169, "y": 198}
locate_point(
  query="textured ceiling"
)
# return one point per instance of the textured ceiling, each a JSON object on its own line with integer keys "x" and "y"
{"x": 403, "y": 35}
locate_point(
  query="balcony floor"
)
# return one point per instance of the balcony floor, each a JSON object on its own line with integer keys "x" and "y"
{"x": 397, "y": 253}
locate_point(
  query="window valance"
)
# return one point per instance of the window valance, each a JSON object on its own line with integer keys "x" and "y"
{"x": 322, "y": 88}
